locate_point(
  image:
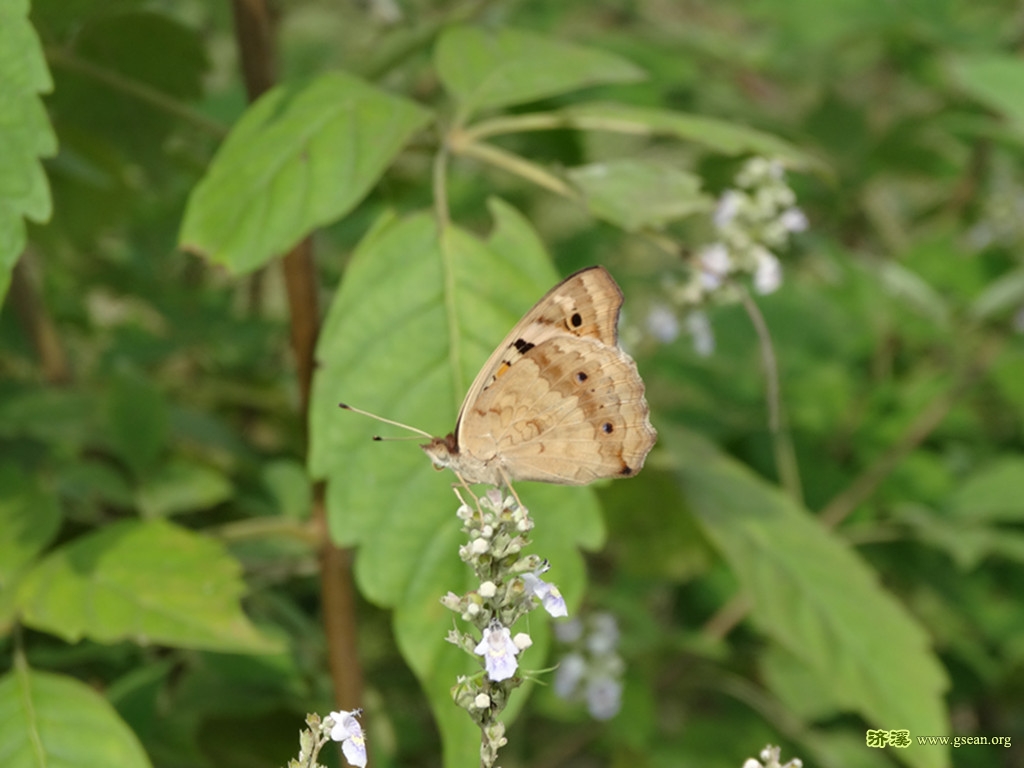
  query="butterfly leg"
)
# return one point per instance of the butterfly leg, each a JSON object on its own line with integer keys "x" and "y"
{"x": 464, "y": 485}
{"x": 507, "y": 481}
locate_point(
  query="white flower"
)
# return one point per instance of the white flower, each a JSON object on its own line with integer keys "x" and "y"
{"x": 728, "y": 206}
{"x": 498, "y": 651}
{"x": 604, "y": 634}
{"x": 663, "y": 323}
{"x": 768, "y": 273}
{"x": 714, "y": 262}
{"x": 482, "y": 701}
{"x": 699, "y": 327}
{"x": 570, "y": 672}
{"x": 548, "y": 594}
{"x": 488, "y": 589}
{"x": 569, "y": 631}
{"x": 522, "y": 641}
{"x": 794, "y": 220}
{"x": 349, "y": 732}
{"x": 604, "y": 697}
{"x": 479, "y": 546}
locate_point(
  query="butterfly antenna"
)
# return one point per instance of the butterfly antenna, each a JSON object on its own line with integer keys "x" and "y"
{"x": 360, "y": 411}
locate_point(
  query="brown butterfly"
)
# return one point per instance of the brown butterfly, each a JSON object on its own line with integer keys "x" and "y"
{"x": 558, "y": 401}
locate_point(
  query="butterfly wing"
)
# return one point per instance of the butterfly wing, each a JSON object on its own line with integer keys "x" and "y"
{"x": 569, "y": 411}
{"x": 558, "y": 401}
{"x": 586, "y": 304}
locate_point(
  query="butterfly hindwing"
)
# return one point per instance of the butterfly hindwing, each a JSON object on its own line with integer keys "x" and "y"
{"x": 570, "y": 412}
{"x": 586, "y": 305}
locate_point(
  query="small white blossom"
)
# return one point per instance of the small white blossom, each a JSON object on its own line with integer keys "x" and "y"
{"x": 482, "y": 701}
{"x": 488, "y": 589}
{"x": 768, "y": 273}
{"x": 794, "y": 220}
{"x": 604, "y": 634}
{"x": 728, "y": 206}
{"x": 570, "y": 672}
{"x": 714, "y": 262}
{"x": 569, "y": 631}
{"x": 699, "y": 327}
{"x": 479, "y": 546}
{"x": 498, "y": 651}
{"x": 547, "y": 593}
{"x": 522, "y": 641}
{"x": 604, "y": 697}
{"x": 663, "y": 323}
{"x": 770, "y": 757}
{"x": 349, "y": 732}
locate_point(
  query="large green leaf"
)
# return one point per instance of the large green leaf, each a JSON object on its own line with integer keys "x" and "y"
{"x": 415, "y": 317}
{"x": 29, "y": 519}
{"x": 719, "y": 135}
{"x": 818, "y": 599}
{"x": 182, "y": 485}
{"x": 299, "y": 158}
{"x": 25, "y": 134}
{"x": 636, "y": 194}
{"x": 995, "y": 81}
{"x": 992, "y": 494}
{"x": 58, "y": 722}
{"x": 149, "y": 582}
{"x": 487, "y": 69}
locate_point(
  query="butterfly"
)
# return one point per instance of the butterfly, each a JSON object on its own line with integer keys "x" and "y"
{"x": 558, "y": 401}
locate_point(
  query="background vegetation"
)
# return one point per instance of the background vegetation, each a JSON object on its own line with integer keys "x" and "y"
{"x": 171, "y": 459}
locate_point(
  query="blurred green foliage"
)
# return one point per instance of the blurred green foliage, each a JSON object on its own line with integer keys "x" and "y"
{"x": 159, "y": 596}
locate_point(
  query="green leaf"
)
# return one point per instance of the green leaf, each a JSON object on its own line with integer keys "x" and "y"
{"x": 29, "y": 519}
{"x": 993, "y": 494}
{"x": 288, "y": 483}
{"x": 1005, "y": 294}
{"x": 967, "y": 542}
{"x": 182, "y": 486}
{"x": 816, "y": 598}
{"x": 718, "y": 135}
{"x": 25, "y": 134}
{"x": 995, "y": 81}
{"x": 637, "y": 194}
{"x": 910, "y": 289}
{"x": 150, "y": 582}
{"x": 56, "y": 721}
{"x": 413, "y": 320}
{"x": 99, "y": 121}
{"x": 487, "y": 69}
{"x": 299, "y": 158}
{"x": 138, "y": 423}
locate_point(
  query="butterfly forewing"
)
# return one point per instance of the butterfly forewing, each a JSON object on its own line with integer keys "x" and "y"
{"x": 578, "y": 415}
{"x": 557, "y": 401}
{"x": 586, "y": 304}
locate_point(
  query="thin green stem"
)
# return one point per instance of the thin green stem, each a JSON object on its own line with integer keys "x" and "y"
{"x": 269, "y": 527}
{"x": 60, "y": 57}
{"x": 782, "y": 443}
{"x": 439, "y": 182}
{"x": 499, "y": 158}
{"x": 549, "y": 121}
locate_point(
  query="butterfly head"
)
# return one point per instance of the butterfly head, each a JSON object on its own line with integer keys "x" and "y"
{"x": 443, "y": 451}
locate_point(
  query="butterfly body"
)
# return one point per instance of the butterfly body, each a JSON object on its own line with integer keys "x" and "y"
{"x": 558, "y": 401}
